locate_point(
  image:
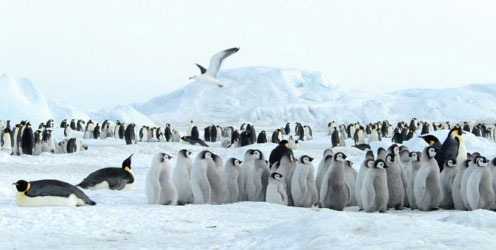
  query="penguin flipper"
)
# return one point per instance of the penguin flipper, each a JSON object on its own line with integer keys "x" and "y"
{"x": 369, "y": 198}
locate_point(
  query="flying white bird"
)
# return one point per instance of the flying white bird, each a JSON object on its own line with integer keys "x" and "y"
{"x": 210, "y": 76}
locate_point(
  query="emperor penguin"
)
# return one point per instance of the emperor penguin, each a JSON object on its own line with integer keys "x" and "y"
{"x": 7, "y": 140}
{"x": 331, "y": 127}
{"x": 159, "y": 186}
{"x": 293, "y": 144}
{"x": 27, "y": 140}
{"x": 492, "y": 167}
{"x": 447, "y": 177}
{"x": 247, "y": 167}
{"x": 303, "y": 189}
{"x": 194, "y": 132}
{"x": 258, "y": 178}
{"x": 191, "y": 124}
{"x": 49, "y": 193}
{"x": 458, "y": 203}
{"x": 395, "y": 182}
{"x": 335, "y": 192}
{"x": 110, "y": 178}
{"x": 308, "y": 132}
{"x": 412, "y": 170}
{"x": 472, "y": 165}
{"x": 68, "y": 131}
{"x": 279, "y": 151}
{"x": 286, "y": 167}
{"x": 480, "y": 192}
{"x": 262, "y": 137}
{"x": 335, "y": 139}
{"x": 323, "y": 167}
{"x": 129, "y": 134}
{"x": 381, "y": 153}
{"x": 143, "y": 134}
{"x": 276, "y": 136}
{"x": 362, "y": 172}
{"x": 231, "y": 180}
{"x": 452, "y": 148}
{"x": 214, "y": 173}
{"x": 200, "y": 185}
{"x": 181, "y": 177}
{"x": 213, "y": 133}
{"x": 350, "y": 178}
{"x": 206, "y": 133}
{"x": 374, "y": 193}
{"x": 287, "y": 129}
{"x": 276, "y": 190}
{"x": 427, "y": 186}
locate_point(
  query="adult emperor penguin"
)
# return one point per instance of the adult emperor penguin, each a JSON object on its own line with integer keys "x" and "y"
{"x": 181, "y": 177}
{"x": 374, "y": 193}
{"x": 277, "y": 190}
{"x": 257, "y": 181}
{"x": 7, "y": 140}
{"x": 287, "y": 129}
{"x": 335, "y": 139}
{"x": 67, "y": 131}
{"x": 335, "y": 192}
{"x": 262, "y": 137}
{"x": 453, "y": 148}
{"x": 412, "y": 170}
{"x": 395, "y": 183}
{"x": 159, "y": 186}
{"x": 200, "y": 185}
{"x": 27, "y": 140}
{"x": 110, "y": 178}
{"x": 323, "y": 167}
{"x": 303, "y": 189}
{"x": 446, "y": 178}
{"x": 427, "y": 187}
{"x": 362, "y": 172}
{"x": 213, "y": 133}
{"x": 279, "y": 151}
{"x": 286, "y": 167}
{"x": 276, "y": 136}
{"x": 129, "y": 134}
{"x": 206, "y": 133}
{"x": 194, "y": 141}
{"x": 231, "y": 180}
{"x": 49, "y": 193}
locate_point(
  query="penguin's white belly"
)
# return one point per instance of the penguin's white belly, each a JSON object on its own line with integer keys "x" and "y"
{"x": 23, "y": 200}
{"x": 101, "y": 185}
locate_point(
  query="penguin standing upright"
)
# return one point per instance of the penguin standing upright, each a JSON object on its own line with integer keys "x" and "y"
{"x": 206, "y": 133}
{"x": 200, "y": 185}
{"x": 213, "y": 133}
{"x": 49, "y": 193}
{"x": 214, "y": 171}
{"x": 427, "y": 187}
{"x": 362, "y": 172}
{"x": 374, "y": 193}
{"x": 110, "y": 178}
{"x": 7, "y": 139}
{"x": 27, "y": 140}
{"x": 350, "y": 175}
{"x": 277, "y": 190}
{"x": 335, "y": 192}
{"x": 303, "y": 189}
{"x": 287, "y": 129}
{"x": 231, "y": 180}
{"x": 395, "y": 183}
{"x": 257, "y": 179}
{"x": 159, "y": 186}
{"x": 130, "y": 134}
{"x": 262, "y": 137}
{"x": 181, "y": 177}
{"x": 412, "y": 170}
{"x": 194, "y": 132}
{"x": 96, "y": 131}
{"x": 446, "y": 178}
{"x": 452, "y": 148}
{"x": 285, "y": 166}
{"x": 323, "y": 167}
{"x": 278, "y": 152}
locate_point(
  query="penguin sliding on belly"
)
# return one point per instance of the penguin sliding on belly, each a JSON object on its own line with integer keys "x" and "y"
{"x": 110, "y": 178}
{"x": 194, "y": 141}
{"x": 49, "y": 193}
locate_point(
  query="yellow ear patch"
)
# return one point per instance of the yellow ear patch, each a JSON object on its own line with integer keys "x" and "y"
{"x": 127, "y": 168}
{"x": 431, "y": 142}
{"x": 287, "y": 145}
{"x": 28, "y": 187}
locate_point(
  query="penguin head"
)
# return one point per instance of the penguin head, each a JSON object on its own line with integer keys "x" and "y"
{"x": 380, "y": 164}
{"x": 430, "y": 139}
{"x": 255, "y": 154}
{"x": 431, "y": 152}
{"x": 481, "y": 161}
{"x": 206, "y": 155}
{"x": 450, "y": 163}
{"x": 185, "y": 153}
{"x": 381, "y": 151}
{"x": 284, "y": 143}
{"x": 327, "y": 151}
{"x": 456, "y": 132}
{"x": 276, "y": 176}
{"x": 305, "y": 159}
{"x": 390, "y": 158}
{"x": 369, "y": 163}
{"x": 395, "y": 149}
{"x": 235, "y": 162}
{"x": 348, "y": 163}
{"x": 369, "y": 155}
{"x": 415, "y": 156}
{"x": 339, "y": 157}
{"x": 126, "y": 164}
{"x": 22, "y": 185}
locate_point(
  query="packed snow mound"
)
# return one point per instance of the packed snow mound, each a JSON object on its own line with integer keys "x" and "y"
{"x": 271, "y": 96}
{"x": 256, "y": 94}
{"x": 123, "y": 113}
{"x": 22, "y": 100}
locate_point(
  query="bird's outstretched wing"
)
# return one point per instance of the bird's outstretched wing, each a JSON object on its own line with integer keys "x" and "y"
{"x": 202, "y": 69}
{"x": 216, "y": 61}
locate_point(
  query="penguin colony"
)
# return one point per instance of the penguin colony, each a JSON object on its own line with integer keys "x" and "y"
{"x": 444, "y": 175}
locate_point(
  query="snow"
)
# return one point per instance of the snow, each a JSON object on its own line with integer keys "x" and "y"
{"x": 124, "y": 220}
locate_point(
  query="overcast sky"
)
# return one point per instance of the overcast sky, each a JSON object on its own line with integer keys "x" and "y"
{"x": 99, "y": 53}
